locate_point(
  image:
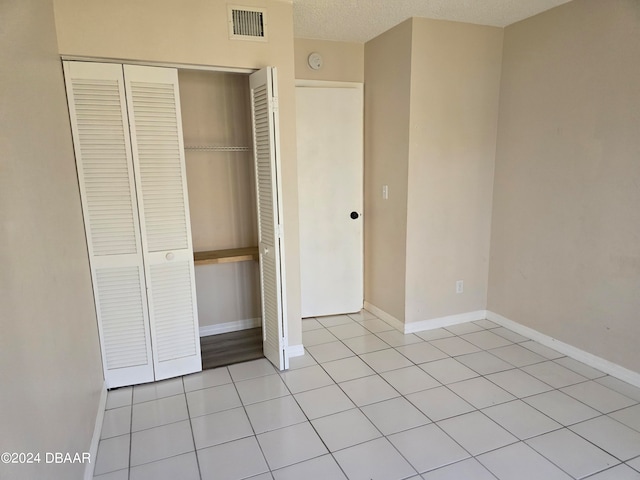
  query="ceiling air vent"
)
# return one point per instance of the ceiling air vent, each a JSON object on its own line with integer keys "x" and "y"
{"x": 247, "y": 23}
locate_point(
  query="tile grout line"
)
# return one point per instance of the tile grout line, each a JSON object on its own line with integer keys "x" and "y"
{"x": 130, "y": 437}
{"x": 329, "y": 452}
{"x": 440, "y": 384}
{"x": 255, "y": 435}
{"x": 359, "y": 407}
{"x": 193, "y": 438}
{"x": 516, "y": 398}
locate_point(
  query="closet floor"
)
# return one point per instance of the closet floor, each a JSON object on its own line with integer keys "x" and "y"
{"x": 229, "y": 348}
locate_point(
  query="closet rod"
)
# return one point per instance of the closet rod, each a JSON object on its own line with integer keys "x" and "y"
{"x": 217, "y": 148}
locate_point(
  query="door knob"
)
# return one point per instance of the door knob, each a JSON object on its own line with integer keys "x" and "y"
{"x": 354, "y": 215}
{"x": 169, "y": 256}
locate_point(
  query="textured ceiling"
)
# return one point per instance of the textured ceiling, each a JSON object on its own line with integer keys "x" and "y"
{"x": 362, "y": 20}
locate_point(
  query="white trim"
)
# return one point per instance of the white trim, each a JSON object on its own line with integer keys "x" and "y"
{"x": 206, "y": 330}
{"x": 280, "y": 240}
{"x": 95, "y": 439}
{"x": 328, "y": 84}
{"x": 425, "y": 324}
{"x": 295, "y": 351}
{"x": 382, "y": 315}
{"x": 444, "y": 321}
{"x": 587, "y": 358}
{"x": 594, "y": 361}
{"x": 149, "y": 63}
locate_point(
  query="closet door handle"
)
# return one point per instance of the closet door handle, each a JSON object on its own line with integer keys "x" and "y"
{"x": 169, "y": 256}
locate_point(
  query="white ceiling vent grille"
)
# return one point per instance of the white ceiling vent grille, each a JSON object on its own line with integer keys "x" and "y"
{"x": 247, "y": 23}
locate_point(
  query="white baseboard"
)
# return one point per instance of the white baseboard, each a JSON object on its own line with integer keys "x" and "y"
{"x": 382, "y": 315}
{"x": 95, "y": 439}
{"x": 587, "y": 358}
{"x": 295, "y": 351}
{"x": 422, "y": 325}
{"x": 227, "y": 327}
{"x": 447, "y": 321}
{"x": 594, "y": 361}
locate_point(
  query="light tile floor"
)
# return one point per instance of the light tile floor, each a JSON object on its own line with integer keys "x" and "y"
{"x": 473, "y": 401}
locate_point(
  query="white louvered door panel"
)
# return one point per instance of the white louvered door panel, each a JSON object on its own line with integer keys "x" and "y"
{"x": 97, "y": 108}
{"x": 158, "y": 157}
{"x": 264, "y": 114}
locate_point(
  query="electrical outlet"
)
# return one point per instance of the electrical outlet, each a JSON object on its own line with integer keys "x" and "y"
{"x": 459, "y": 286}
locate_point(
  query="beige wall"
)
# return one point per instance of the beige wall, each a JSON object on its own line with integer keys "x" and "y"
{"x": 50, "y": 368}
{"x": 168, "y": 31}
{"x": 565, "y": 249}
{"x": 342, "y": 61}
{"x": 386, "y": 152}
{"x": 455, "y": 83}
{"x": 431, "y": 112}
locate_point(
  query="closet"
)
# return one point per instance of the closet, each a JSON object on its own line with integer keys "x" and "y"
{"x": 127, "y": 132}
{"x": 230, "y": 127}
{"x": 216, "y": 121}
{"x": 231, "y": 147}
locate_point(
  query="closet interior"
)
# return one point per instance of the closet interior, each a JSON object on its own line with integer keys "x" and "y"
{"x": 216, "y": 123}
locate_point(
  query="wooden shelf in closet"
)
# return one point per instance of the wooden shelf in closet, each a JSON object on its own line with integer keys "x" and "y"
{"x": 225, "y": 256}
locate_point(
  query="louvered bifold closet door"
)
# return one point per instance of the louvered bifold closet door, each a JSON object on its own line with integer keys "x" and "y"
{"x": 97, "y": 107}
{"x": 159, "y": 165}
{"x": 264, "y": 113}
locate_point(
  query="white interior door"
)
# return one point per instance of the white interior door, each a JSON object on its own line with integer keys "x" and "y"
{"x": 264, "y": 115}
{"x": 159, "y": 166}
{"x": 330, "y": 182}
{"x": 97, "y": 108}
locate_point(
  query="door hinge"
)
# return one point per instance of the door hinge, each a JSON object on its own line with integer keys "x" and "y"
{"x": 279, "y": 232}
{"x": 274, "y": 104}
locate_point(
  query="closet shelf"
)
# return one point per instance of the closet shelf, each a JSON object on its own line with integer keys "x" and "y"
{"x": 225, "y": 256}
{"x": 217, "y": 148}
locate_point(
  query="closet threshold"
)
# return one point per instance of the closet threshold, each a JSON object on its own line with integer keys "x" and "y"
{"x": 225, "y": 256}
